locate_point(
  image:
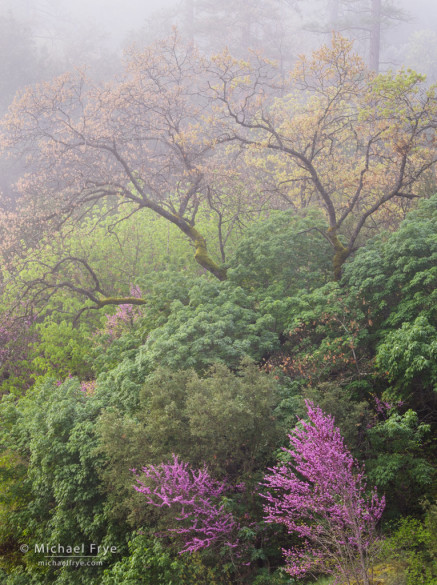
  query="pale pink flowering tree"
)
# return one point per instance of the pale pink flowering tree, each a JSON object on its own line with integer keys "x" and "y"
{"x": 319, "y": 494}
{"x": 196, "y": 497}
{"x": 124, "y": 316}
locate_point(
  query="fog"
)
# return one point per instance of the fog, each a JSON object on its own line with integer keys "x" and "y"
{"x": 42, "y": 38}
{"x": 58, "y": 26}
{"x": 50, "y": 20}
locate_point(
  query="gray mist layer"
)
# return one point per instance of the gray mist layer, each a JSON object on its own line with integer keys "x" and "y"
{"x": 41, "y": 38}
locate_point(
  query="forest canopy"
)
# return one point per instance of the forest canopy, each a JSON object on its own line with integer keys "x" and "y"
{"x": 185, "y": 136}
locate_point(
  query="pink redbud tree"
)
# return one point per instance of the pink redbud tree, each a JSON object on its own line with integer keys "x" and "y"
{"x": 319, "y": 494}
{"x": 196, "y": 497}
{"x": 124, "y": 316}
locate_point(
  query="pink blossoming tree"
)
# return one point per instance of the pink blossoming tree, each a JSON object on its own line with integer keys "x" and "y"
{"x": 124, "y": 316}
{"x": 319, "y": 494}
{"x": 203, "y": 520}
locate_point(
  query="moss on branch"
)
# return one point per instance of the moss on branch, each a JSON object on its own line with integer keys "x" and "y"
{"x": 120, "y": 301}
{"x": 201, "y": 251}
{"x": 341, "y": 252}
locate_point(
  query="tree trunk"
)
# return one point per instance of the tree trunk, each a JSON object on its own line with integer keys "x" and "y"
{"x": 341, "y": 252}
{"x": 201, "y": 252}
{"x": 201, "y": 256}
{"x": 375, "y": 35}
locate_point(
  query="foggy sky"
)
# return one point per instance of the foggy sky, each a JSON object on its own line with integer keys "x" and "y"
{"x": 115, "y": 18}
{"x": 68, "y": 27}
{"x": 112, "y": 18}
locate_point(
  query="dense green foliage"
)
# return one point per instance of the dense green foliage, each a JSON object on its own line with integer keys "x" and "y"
{"x": 217, "y": 372}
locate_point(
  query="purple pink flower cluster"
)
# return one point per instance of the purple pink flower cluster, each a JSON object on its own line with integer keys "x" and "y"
{"x": 203, "y": 519}
{"x": 124, "y": 316}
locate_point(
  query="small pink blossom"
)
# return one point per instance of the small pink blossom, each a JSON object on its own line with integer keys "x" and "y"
{"x": 88, "y": 387}
{"x": 124, "y": 316}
